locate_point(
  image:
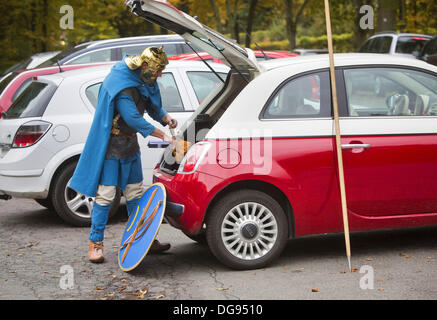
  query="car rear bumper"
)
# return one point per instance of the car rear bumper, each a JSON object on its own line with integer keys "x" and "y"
{"x": 23, "y": 187}
{"x": 188, "y": 196}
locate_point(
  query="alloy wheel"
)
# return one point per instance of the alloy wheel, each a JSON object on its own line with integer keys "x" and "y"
{"x": 249, "y": 231}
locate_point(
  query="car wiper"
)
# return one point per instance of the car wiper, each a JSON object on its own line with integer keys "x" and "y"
{"x": 204, "y": 61}
{"x": 251, "y": 40}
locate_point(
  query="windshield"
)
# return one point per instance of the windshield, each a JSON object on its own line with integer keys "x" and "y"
{"x": 411, "y": 44}
{"x": 32, "y": 102}
{"x": 19, "y": 66}
{"x": 6, "y": 81}
{"x": 60, "y": 56}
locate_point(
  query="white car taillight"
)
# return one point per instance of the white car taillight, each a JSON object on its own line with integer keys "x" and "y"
{"x": 29, "y": 133}
{"x": 194, "y": 157}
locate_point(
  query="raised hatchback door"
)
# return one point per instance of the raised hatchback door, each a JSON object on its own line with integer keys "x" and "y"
{"x": 167, "y": 16}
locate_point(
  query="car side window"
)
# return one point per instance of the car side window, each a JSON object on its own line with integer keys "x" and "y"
{"x": 367, "y": 45}
{"x": 390, "y": 92}
{"x": 307, "y": 96}
{"x": 384, "y": 44}
{"x": 431, "y": 48}
{"x": 95, "y": 56}
{"x": 171, "y": 99}
{"x": 204, "y": 82}
{"x": 92, "y": 92}
{"x": 170, "y": 49}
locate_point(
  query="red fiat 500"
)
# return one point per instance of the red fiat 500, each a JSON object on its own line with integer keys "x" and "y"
{"x": 262, "y": 167}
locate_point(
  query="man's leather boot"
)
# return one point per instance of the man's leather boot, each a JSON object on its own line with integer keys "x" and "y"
{"x": 95, "y": 251}
{"x": 158, "y": 247}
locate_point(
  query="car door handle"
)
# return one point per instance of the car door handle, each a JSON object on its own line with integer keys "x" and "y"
{"x": 355, "y": 146}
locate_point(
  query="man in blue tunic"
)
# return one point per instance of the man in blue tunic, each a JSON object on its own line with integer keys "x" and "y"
{"x": 111, "y": 156}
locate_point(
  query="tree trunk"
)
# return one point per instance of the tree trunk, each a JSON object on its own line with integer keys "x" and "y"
{"x": 289, "y": 24}
{"x": 250, "y": 17}
{"x": 217, "y": 16}
{"x": 360, "y": 35}
{"x": 387, "y": 15}
{"x": 233, "y": 19}
{"x": 45, "y": 38}
{"x": 292, "y": 20}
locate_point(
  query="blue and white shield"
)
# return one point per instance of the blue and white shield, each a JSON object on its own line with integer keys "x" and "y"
{"x": 142, "y": 227}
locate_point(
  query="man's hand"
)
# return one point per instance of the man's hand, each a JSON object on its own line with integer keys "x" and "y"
{"x": 168, "y": 139}
{"x": 172, "y": 123}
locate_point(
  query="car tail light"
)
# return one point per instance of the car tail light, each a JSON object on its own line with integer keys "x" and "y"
{"x": 194, "y": 157}
{"x": 29, "y": 133}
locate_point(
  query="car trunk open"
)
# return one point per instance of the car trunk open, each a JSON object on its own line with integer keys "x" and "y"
{"x": 243, "y": 64}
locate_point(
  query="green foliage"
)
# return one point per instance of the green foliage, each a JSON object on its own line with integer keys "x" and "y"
{"x": 31, "y": 26}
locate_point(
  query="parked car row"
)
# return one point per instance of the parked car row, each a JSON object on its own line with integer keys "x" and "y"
{"x": 262, "y": 169}
{"x": 420, "y": 46}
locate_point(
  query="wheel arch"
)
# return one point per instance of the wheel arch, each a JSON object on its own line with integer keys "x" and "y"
{"x": 261, "y": 186}
{"x": 63, "y": 164}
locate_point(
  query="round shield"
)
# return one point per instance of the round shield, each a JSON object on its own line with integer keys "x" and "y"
{"x": 142, "y": 227}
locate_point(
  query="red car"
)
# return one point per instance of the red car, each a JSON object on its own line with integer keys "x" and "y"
{"x": 263, "y": 167}
{"x": 14, "y": 83}
{"x": 260, "y": 56}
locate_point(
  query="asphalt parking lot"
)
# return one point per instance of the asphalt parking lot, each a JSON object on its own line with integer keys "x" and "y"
{"x": 43, "y": 258}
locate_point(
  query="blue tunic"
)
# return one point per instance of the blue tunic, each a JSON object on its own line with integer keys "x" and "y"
{"x": 91, "y": 169}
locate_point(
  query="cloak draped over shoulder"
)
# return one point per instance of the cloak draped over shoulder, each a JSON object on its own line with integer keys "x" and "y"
{"x": 86, "y": 177}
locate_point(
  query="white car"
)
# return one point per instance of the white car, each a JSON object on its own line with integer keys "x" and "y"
{"x": 44, "y": 131}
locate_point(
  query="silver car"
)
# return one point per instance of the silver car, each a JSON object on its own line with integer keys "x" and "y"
{"x": 45, "y": 129}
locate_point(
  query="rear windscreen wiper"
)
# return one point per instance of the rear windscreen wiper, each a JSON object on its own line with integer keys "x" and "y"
{"x": 204, "y": 61}
{"x": 232, "y": 65}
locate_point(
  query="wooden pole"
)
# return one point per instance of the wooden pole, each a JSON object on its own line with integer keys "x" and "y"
{"x": 337, "y": 134}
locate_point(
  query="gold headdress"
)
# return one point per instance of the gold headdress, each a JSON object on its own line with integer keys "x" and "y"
{"x": 155, "y": 58}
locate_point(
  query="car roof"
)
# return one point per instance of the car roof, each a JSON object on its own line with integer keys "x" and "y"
{"x": 389, "y": 33}
{"x": 102, "y": 70}
{"x": 348, "y": 59}
{"x": 140, "y": 39}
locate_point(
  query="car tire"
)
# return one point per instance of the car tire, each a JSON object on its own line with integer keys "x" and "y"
{"x": 246, "y": 229}
{"x": 46, "y": 203}
{"x": 71, "y": 206}
{"x": 200, "y": 238}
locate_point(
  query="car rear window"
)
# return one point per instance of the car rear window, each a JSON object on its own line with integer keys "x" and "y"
{"x": 7, "y": 80}
{"x": 32, "y": 102}
{"x": 411, "y": 44}
{"x": 204, "y": 82}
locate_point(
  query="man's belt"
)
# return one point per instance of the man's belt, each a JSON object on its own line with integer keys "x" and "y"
{"x": 117, "y": 132}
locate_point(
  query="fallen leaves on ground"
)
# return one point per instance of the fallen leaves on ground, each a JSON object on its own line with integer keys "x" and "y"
{"x": 222, "y": 289}
{"x": 142, "y": 293}
{"x": 161, "y": 296}
{"x": 29, "y": 245}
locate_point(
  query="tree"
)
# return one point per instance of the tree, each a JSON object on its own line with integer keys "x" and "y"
{"x": 217, "y": 15}
{"x": 250, "y": 18}
{"x": 292, "y": 18}
{"x": 387, "y": 15}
